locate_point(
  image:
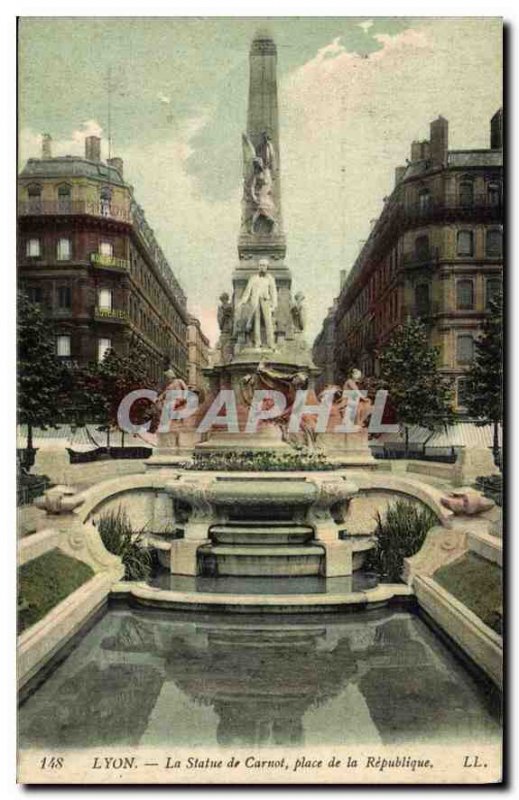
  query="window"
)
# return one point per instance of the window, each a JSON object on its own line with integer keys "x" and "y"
{"x": 34, "y": 294}
{"x": 422, "y": 300}
{"x": 461, "y": 392}
{"x": 64, "y": 297}
{"x": 64, "y": 249}
{"x": 104, "y": 299}
{"x": 424, "y": 199}
{"x": 33, "y": 248}
{"x": 465, "y": 243}
{"x": 466, "y": 193}
{"x": 34, "y": 191}
{"x": 494, "y": 243}
{"x": 105, "y": 197}
{"x": 103, "y": 346}
{"x": 421, "y": 247}
{"x": 63, "y": 346}
{"x": 465, "y": 295}
{"x": 493, "y": 288}
{"x": 494, "y": 193}
{"x": 465, "y": 348}
{"x": 106, "y": 249}
{"x": 64, "y": 197}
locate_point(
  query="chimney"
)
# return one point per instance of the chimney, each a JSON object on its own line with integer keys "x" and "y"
{"x": 117, "y": 163}
{"x": 416, "y": 151}
{"x": 420, "y": 150}
{"x": 439, "y": 141}
{"x": 93, "y": 148}
{"x": 496, "y": 131}
{"x": 399, "y": 174}
{"x": 46, "y": 145}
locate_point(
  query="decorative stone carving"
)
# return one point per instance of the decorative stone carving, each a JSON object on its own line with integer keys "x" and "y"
{"x": 298, "y": 312}
{"x": 467, "y": 502}
{"x": 59, "y": 500}
{"x": 441, "y": 546}
{"x": 258, "y": 164}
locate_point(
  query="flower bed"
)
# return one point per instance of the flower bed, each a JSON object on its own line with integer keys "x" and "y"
{"x": 253, "y": 461}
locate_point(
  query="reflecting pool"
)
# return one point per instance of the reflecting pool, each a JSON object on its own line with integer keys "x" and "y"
{"x": 154, "y": 679}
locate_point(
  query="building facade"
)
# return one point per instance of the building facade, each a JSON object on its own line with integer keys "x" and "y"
{"x": 198, "y": 353}
{"x": 87, "y": 255}
{"x": 436, "y": 253}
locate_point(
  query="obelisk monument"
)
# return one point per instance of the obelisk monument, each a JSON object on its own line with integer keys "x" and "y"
{"x": 263, "y": 323}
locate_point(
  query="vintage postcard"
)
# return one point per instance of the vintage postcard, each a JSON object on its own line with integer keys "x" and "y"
{"x": 259, "y": 458}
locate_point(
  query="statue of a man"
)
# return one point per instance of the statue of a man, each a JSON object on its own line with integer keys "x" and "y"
{"x": 351, "y": 390}
{"x": 298, "y": 312}
{"x": 225, "y": 313}
{"x": 261, "y": 295}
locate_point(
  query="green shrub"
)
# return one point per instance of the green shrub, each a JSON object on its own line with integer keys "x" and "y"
{"x": 491, "y": 486}
{"x": 119, "y": 538}
{"x": 254, "y": 461}
{"x": 399, "y": 534}
{"x": 46, "y": 581}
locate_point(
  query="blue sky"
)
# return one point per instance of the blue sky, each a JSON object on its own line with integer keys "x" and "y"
{"x": 353, "y": 94}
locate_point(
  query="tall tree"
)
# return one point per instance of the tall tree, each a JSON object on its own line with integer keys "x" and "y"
{"x": 39, "y": 376}
{"x": 418, "y": 393}
{"x": 483, "y": 396}
{"x": 108, "y": 383}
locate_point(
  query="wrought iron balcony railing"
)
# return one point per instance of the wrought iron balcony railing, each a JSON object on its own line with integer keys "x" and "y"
{"x": 421, "y": 258}
{"x": 111, "y": 314}
{"x": 91, "y": 208}
{"x": 111, "y": 262}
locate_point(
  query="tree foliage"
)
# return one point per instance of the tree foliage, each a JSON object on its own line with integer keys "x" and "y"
{"x": 97, "y": 389}
{"x": 418, "y": 393}
{"x": 40, "y": 374}
{"x": 484, "y": 387}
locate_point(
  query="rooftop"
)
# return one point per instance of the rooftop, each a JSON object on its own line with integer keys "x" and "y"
{"x": 71, "y": 167}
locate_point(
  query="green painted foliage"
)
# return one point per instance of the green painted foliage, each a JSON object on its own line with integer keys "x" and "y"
{"x": 399, "y": 534}
{"x": 119, "y": 538}
{"x": 40, "y": 374}
{"x": 46, "y": 581}
{"x": 252, "y": 461}
{"x": 477, "y": 583}
{"x": 409, "y": 369}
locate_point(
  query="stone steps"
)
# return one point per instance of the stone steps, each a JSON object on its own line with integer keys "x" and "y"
{"x": 261, "y": 560}
{"x": 255, "y": 533}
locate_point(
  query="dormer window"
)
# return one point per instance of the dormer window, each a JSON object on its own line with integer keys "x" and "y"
{"x": 105, "y": 201}
{"x": 64, "y": 193}
{"x": 34, "y": 195}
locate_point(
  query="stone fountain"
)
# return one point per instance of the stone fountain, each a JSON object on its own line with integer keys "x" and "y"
{"x": 260, "y": 523}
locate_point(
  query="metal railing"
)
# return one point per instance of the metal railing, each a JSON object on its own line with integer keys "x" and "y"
{"x": 114, "y": 314}
{"x": 452, "y": 204}
{"x": 101, "y": 260}
{"x": 92, "y": 208}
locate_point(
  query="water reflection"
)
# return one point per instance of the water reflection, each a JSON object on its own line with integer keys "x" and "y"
{"x": 148, "y": 679}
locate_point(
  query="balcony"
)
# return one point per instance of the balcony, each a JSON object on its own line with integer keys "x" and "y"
{"x": 482, "y": 206}
{"x": 109, "y": 262}
{"x": 423, "y": 310}
{"x": 92, "y": 208}
{"x": 423, "y": 258}
{"x": 111, "y": 315}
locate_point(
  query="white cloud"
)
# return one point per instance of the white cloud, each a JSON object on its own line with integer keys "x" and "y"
{"x": 347, "y": 122}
